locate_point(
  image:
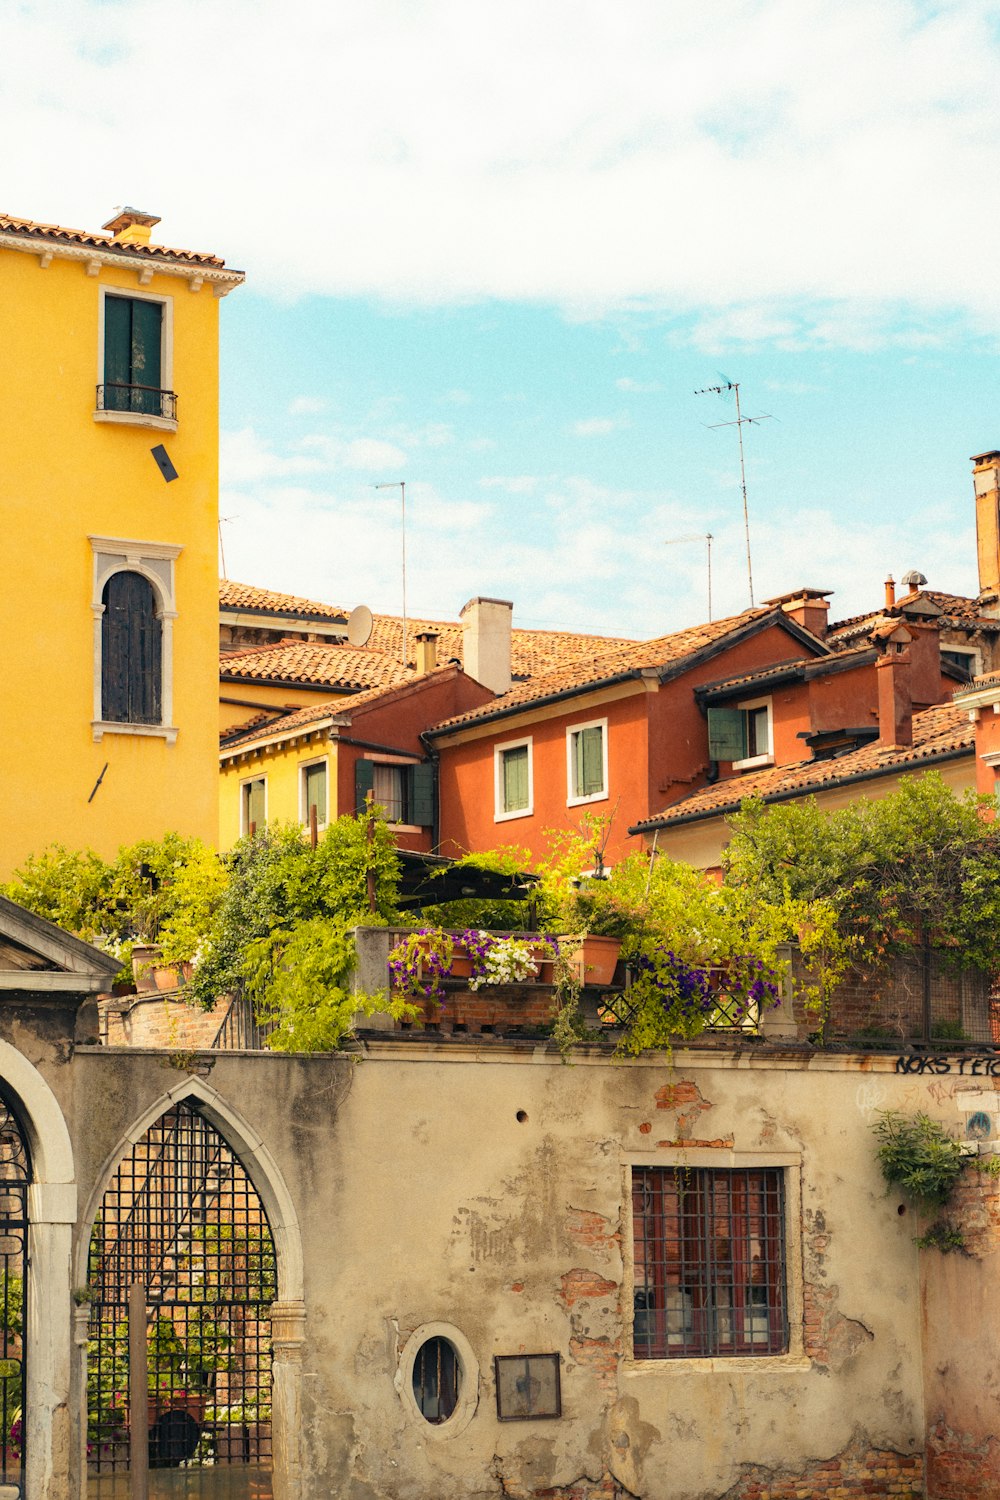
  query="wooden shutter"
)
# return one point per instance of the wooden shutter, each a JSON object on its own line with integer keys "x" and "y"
{"x": 147, "y": 320}
{"x": 117, "y": 353}
{"x": 515, "y": 779}
{"x": 315, "y": 789}
{"x": 131, "y": 651}
{"x": 364, "y": 781}
{"x": 588, "y": 761}
{"x": 422, "y": 796}
{"x": 727, "y": 734}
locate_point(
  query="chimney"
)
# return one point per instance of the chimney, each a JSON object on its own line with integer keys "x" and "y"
{"x": 427, "y": 641}
{"x": 486, "y": 651}
{"x": 986, "y": 482}
{"x": 130, "y": 226}
{"x": 895, "y": 704}
{"x": 890, "y": 592}
{"x": 809, "y": 609}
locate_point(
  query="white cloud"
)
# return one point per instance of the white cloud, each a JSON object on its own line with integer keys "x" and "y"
{"x": 513, "y": 484}
{"x": 306, "y": 406}
{"x": 597, "y": 426}
{"x": 245, "y": 458}
{"x": 757, "y": 156}
{"x": 638, "y": 387}
{"x": 372, "y": 455}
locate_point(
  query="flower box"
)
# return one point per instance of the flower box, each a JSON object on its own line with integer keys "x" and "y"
{"x": 595, "y": 959}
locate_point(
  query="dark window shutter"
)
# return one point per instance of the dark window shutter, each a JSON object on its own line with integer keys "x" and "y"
{"x": 421, "y": 810}
{"x": 117, "y": 352}
{"x": 147, "y": 318}
{"x": 727, "y": 734}
{"x": 364, "y": 780}
{"x": 131, "y": 652}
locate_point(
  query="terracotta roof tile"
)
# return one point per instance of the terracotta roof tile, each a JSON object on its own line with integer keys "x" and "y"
{"x": 957, "y": 609}
{"x": 266, "y": 727}
{"x": 247, "y": 596}
{"x": 799, "y": 666}
{"x": 104, "y": 242}
{"x": 623, "y": 660}
{"x": 318, "y": 663}
{"x": 941, "y": 731}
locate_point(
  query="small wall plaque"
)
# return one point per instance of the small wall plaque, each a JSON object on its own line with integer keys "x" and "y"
{"x": 527, "y": 1387}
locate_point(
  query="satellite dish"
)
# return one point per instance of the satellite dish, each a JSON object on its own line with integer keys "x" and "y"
{"x": 359, "y": 625}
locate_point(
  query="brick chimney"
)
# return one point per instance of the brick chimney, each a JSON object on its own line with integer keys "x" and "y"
{"x": 895, "y": 701}
{"x": 130, "y": 226}
{"x": 426, "y": 651}
{"x": 986, "y": 481}
{"x": 486, "y": 650}
{"x": 890, "y": 592}
{"x": 810, "y": 609}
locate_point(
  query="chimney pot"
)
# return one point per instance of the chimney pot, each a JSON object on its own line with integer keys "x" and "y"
{"x": 890, "y": 592}
{"x": 486, "y": 625}
{"x": 130, "y": 226}
{"x": 895, "y": 699}
{"x": 426, "y": 651}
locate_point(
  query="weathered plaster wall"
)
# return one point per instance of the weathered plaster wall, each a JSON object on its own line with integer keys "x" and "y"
{"x": 486, "y": 1189}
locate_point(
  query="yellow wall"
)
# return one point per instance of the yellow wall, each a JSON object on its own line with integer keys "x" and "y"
{"x": 68, "y": 476}
{"x": 280, "y": 766}
{"x": 288, "y": 694}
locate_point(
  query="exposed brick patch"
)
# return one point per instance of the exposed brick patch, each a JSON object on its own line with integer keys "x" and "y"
{"x": 960, "y": 1467}
{"x": 158, "y": 1020}
{"x": 686, "y": 1098}
{"x": 517, "y": 1286}
{"x": 645, "y": 1127}
{"x": 974, "y": 1208}
{"x": 722, "y": 1143}
{"x": 579, "y": 1285}
{"x": 592, "y": 1230}
{"x": 605, "y": 1488}
{"x": 600, "y": 1356}
{"x": 857, "y": 1473}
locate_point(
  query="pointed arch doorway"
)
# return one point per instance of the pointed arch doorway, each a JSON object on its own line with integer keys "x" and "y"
{"x": 181, "y": 1219}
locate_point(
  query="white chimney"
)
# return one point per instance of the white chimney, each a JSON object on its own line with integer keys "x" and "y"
{"x": 486, "y": 652}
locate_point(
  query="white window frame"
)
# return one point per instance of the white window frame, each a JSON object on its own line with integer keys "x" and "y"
{"x": 155, "y": 562}
{"x": 139, "y": 418}
{"x": 500, "y": 815}
{"x": 765, "y": 758}
{"x": 244, "y": 783}
{"x": 573, "y": 729}
{"x": 971, "y": 653}
{"x": 304, "y": 766}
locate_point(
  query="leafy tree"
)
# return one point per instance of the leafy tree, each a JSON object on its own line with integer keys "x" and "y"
{"x": 918, "y": 864}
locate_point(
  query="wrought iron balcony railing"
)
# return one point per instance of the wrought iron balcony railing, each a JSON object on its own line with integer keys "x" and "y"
{"x": 147, "y": 399}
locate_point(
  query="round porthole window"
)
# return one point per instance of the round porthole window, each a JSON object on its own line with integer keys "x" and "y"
{"x": 437, "y": 1379}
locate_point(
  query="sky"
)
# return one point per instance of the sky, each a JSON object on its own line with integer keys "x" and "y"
{"x": 494, "y": 249}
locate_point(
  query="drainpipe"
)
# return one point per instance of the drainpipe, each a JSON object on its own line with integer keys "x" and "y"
{"x": 434, "y": 756}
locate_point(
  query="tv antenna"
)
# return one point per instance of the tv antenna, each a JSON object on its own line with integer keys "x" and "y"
{"x": 222, "y": 550}
{"x": 400, "y": 485}
{"x": 721, "y": 390}
{"x": 708, "y": 539}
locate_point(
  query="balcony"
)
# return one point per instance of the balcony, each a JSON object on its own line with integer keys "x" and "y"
{"x": 139, "y": 405}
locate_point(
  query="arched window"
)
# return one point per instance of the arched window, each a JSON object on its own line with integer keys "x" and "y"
{"x": 131, "y": 651}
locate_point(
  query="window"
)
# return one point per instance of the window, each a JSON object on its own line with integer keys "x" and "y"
{"x": 587, "y": 762}
{"x": 313, "y": 793}
{"x": 741, "y": 735}
{"x": 131, "y": 651}
{"x": 964, "y": 658}
{"x": 406, "y": 791}
{"x": 436, "y": 1380}
{"x": 710, "y": 1260}
{"x": 133, "y": 620}
{"x": 512, "y": 780}
{"x": 134, "y": 361}
{"x": 253, "y": 804}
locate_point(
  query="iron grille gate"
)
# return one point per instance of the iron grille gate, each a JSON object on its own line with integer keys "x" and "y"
{"x": 14, "y": 1177}
{"x": 182, "y": 1218}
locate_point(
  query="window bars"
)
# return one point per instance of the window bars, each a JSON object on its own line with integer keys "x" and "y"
{"x": 709, "y": 1262}
{"x": 182, "y": 1218}
{"x": 14, "y": 1178}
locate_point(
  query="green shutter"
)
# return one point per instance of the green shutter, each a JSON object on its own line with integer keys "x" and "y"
{"x": 316, "y": 793}
{"x": 515, "y": 779}
{"x": 147, "y": 319}
{"x": 422, "y": 795}
{"x": 117, "y": 352}
{"x": 588, "y": 761}
{"x": 364, "y": 781}
{"x": 727, "y": 734}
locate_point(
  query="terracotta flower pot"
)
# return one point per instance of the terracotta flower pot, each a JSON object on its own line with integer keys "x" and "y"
{"x": 596, "y": 959}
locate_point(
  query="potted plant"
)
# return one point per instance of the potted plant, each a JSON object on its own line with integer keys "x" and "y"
{"x": 418, "y": 964}
{"x": 505, "y": 958}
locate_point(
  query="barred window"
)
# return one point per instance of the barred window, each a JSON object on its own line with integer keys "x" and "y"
{"x": 709, "y": 1262}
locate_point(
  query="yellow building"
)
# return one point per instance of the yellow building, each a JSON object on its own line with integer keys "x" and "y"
{"x": 109, "y": 434}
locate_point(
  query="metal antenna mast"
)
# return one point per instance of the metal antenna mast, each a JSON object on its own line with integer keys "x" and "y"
{"x": 708, "y": 539}
{"x": 720, "y": 390}
{"x": 400, "y": 485}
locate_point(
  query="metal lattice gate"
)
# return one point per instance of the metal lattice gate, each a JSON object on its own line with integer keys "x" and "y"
{"x": 14, "y": 1178}
{"x": 182, "y": 1219}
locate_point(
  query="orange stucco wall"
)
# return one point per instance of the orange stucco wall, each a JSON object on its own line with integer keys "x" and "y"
{"x": 987, "y": 743}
